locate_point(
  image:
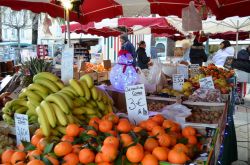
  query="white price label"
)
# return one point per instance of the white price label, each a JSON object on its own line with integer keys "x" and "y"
{"x": 194, "y": 69}
{"x": 22, "y": 128}
{"x": 67, "y": 70}
{"x": 183, "y": 69}
{"x": 178, "y": 81}
{"x": 207, "y": 83}
{"x": 136, "y": 103}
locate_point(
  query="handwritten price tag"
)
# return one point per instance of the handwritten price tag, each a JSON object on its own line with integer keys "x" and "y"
{"x": 207, "y": 83}
{"x": 22, "y": 128}
{"x": 183, "y": 69}
{"x": 178, "y": 81}
{"x": 136, "y": 103}
{"x": 194, "y": 69}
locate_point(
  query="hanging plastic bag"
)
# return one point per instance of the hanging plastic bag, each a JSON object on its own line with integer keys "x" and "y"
{"x": 191, "y": 19}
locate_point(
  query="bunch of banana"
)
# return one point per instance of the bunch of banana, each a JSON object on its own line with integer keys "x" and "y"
{"x": 76, "y": 103}
{"x": 29, "y": 99}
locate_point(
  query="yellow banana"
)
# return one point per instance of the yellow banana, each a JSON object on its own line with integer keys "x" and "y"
{"x": 78, "y": 102}
{"x": 18, "y": 102}
{"x": 47, "y": 83}
{"x": 44, "y": 124}
{"x": 70, "y": 89}
{"x": 86, "y": 89}
{"x": 93, "y": 103}
{"x": 99, "y": 98}
{"x": 45, "y": 75}
{"x": 71, "y": 95}
{"x": 61, "y": 117}
{"x": 49, "y": 111}
{"x": 76, "y": 86}
{"x": 89, "y": 105}
{"x": 81, "y": 117}
{"x": 109, "y": 108}
{"x": 89, "y": 111}
{"x": 61, "y": 129}
{"x": 60, "y": 84}
{"x": 70, "y": 118}
{"x": 78, "y": 111}
{"x": 76, "y": 120}
{"x": 66, "y": 98}
{"x": 31, "y": 112}
{"x": 21, "y": 110}
{"x": 41, "y": 94}
{"x": 34, "y": 102}
{"x": 33, "y": 95}
{"x": 101, "y": 105}
{"x": 55, "y": 133}
{"x": 88, "y": 79}
{"x": 94, "y": 93}
{"x": 38, "y": 87}
{"x": 57, "y": 99}
{"x": 83, "y": 99}
{"x": 22, "y": 94}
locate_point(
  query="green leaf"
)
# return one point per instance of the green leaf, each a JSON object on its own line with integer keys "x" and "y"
{"x": 28, "y": 146}
{"x": 118, "y": 160}
{"x": 48, "y": 148}
{"x": 164, "y": 163}
{"x": 182, "y": 140}
{"x": 46, "y": 161}
{"x": 167, "y": 130}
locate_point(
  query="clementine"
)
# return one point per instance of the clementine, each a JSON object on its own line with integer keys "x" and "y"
{"x": 135, "y": 154}
{"x": 18, "y": 156}
{"x": 126, "y": 139}
{"x": 164, "y": 140}
{"x": 36, "y": 162}
{"x": 71, "y": 159}
{"x": 177, "y": 157}
{"x": 150, "y": 144}
{"x": 72, "y": 130}
{"x": 187, "y": 131}
{"x": 6, "y": 155}
{"x": 86, "y": 156}
{"x": 111, "y": 140}
{"x": 161, "y": 153}
{"x": 105, "y": 125}
{"x": 109, "y": 152}
{"x": 63, "y": 148}
{"x": 149, "y": 160}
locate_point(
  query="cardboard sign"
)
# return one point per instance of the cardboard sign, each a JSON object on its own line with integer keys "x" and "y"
{"x": 194, "y": 69}
{"x": 67, "y": 71}
{"x": 22, "y": 128}
{"x": 183, "y": 69}
{"x": 207, "y": 83}
{"x": 178, "y": 81}
{"x": 136, "y": 103}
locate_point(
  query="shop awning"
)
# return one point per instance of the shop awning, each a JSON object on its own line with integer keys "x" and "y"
{"x": 230, "y": 35}
{"x": 142, "y": 25}
{"x": 228, "y": 8}
{"x": 95, "y": 11}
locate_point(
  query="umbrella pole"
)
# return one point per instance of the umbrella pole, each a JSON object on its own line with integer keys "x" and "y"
{"x": 237, "y": 39}
{"x": 68, "y": 27}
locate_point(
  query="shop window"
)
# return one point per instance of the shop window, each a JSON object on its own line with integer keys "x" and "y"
{"x": 160, "y": 47}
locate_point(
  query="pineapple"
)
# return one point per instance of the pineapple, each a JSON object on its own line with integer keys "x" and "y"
{"x": 32, "y": 67}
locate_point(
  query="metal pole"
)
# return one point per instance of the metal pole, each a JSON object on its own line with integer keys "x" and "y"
{"x": 68, "y": 27}
{"x": 237, "y": 39}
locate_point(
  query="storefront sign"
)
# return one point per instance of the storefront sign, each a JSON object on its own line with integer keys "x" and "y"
{"x": 178, "y": 81}
{"x": 207, "y": 83}
{"x": 136, "y": 103}
{"x": 194, "y": 70}
{"x": 22, "y": 128}
{"x": 183, "y": 69}
{"x": 67, "y": 71}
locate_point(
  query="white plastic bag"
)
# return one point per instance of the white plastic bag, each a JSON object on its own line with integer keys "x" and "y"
{"x": 150, "y": 77}
{"x": 176, "y": 112}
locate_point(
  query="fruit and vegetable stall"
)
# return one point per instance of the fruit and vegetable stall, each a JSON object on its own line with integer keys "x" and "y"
{"x": 48, "y": 121}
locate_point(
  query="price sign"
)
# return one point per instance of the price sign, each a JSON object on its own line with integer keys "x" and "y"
{"x": 194, "y": 69}
{"x": 178, "y": 81}
{"x": 22, "y": 128}
{"x": 183, "y": 69}
{"x": 67, "y": 71}
{"x": 207, "y": 83}
{"x": 136, "y": 103}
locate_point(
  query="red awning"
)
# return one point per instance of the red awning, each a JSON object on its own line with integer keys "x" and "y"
{"x": 230, "y": 35}
{"x": 228, "y": 8}
{"x": 95, "y": 11}
{"x": 157, "y": 26}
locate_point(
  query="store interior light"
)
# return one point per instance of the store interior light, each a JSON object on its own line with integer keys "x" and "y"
{"x": 67, "y": 4}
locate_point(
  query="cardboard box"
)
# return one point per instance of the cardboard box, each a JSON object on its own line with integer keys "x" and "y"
{"x": 102, "y": 76}
{"x": 107, "y": 64}
{"x": 118, "y": 98}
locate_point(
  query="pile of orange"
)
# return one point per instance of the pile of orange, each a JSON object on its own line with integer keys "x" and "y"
{"x": 111, "y": 140}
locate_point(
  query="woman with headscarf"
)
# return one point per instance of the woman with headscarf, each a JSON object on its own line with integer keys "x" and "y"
{"x": 127, "y": 45}
{"x": 142, "y": 58}
{"x": 226, "y": 50}
{"x": 197, "y": 53}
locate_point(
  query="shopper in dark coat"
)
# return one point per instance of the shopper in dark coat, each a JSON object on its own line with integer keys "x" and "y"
{"x": 197, "y": 53}
{"x": 127, "y": 45}
{"x": 142, "y": 58}
{"x": 244, "y": 54}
